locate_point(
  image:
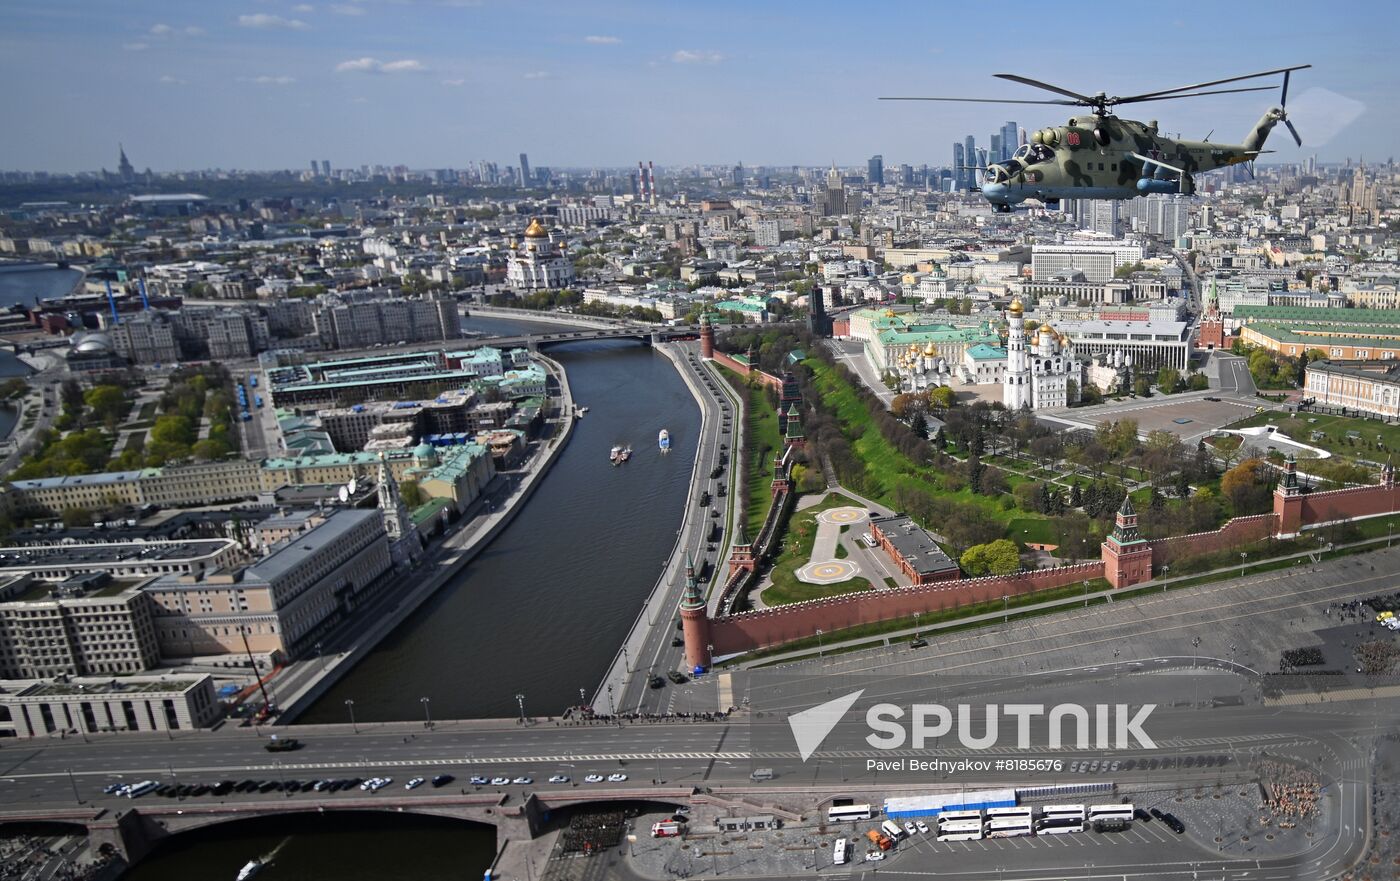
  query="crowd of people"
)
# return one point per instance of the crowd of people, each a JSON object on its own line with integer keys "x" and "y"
{"x": 1290, "y": 792}
{"x": 24, "y": 856}
{"x": 585, "y": 715}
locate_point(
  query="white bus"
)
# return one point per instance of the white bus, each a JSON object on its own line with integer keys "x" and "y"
{"x": 1060, "y": 819}
{"x": 1110, "y": 812}
{"x": 960, "y": 830}
{"x": 1009, "y": 822}
{"x": 841, "y": 853}
{"x": 951, "y": 816}
{"x": 844, "y": 813}
{"x": 141, "y": 788}
{"x": 893, "y": 830}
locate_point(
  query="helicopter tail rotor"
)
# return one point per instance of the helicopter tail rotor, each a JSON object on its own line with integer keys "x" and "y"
{"x": 1283, "y": 105}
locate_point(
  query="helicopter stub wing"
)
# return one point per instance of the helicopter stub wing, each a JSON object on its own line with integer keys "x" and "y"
{"x": 1150, "y": 161}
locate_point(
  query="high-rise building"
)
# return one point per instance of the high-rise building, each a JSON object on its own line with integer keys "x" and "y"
{"x": 959, "y": 165}
{"x": 994, "y": 153}
{"x": 835, "y": 193}
{"x": 906, "y": 175}
{"x": 875, "y": 170}
{"x": 124, "y": 167}
{"x": 970, "y": 158}
{"x": 525, "y": 178}
{"x": 315, "y": 169}
{"x": 1009, "y": 140}
{"x": 326, "y": 167}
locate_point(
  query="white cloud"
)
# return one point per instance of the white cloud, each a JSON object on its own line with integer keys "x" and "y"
{"x": 458, "y": 82}
{"x": 374, "y": 65}
{"x": 136, "y": 47}
{"x": 268, "y": 80}
{"x": 161, "y": 30}
{"x": 303, "y": 8}
{"x": 347, "y": 9}
{"x": 537, "y": 75}
{"x": 266, "y": 21}
{"x": 172, "y": 80}
{"x": 696, "y": 56}
{"x": 603, "y": 41}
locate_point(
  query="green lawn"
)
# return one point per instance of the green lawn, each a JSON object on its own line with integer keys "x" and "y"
{"x": 1024, "y": 530}
{"x": 798, "y": 538}
{"x": 1376, "y": 438}
{"x": 148, "y": 409}
{"x": 763, "y": 433}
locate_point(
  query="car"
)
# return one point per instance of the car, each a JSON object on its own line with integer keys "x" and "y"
{"x": 677, "y": 642}
{"x": 1187, "y": 761}
{"x": 111, "y": 788}
{"x": 442, "y": 780}
{"x": 683, "y": 811}
{"x": 678, "y": 677}
{"x": 910, "y": 828}
{"x": 291, "y": 785}
{"x": 353, "y": 782}
{"x": 367, "y": 785}
{"x": 1140, "y": 814}
{"x": 384, "y": 781}
{"x": 1115, "y": 766}
{"x": 874, "y": 856}
{"x": 617, "y": 778}
{"x": 1174, "y": 824}
{"x": 1094, "y": 767}
{"x": 1157, "y": 813}
{"x": 500, "y": 781}
{"x": 414, "y": 783}
{"x": 1129, "y": 765}
{"x": 679, "y": 818}
{"x": 478, "y": 780}
{"x": 1074, "y": 766}
{"x": 918, "y": 642}
{"x": 559, "y": 778}
{"x": 922, "y": 826}
{"x": 523, "y": 780}
{"x": 320, "y": 785}
{"x": 657, "y": 682}
{"x": 593, "y": 778}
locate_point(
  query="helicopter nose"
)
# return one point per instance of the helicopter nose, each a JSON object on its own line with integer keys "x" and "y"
{"x": 996, "y": 174}
{"x": 994, "y": 191}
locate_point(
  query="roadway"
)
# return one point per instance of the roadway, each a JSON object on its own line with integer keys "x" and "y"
{"x": 648, "y": 649}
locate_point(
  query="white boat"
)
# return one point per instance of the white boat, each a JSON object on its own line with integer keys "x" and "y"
{"x": 624, "y": 455}
{"x": 252, "y": 868}
{"x": 615, "y": 454}
{"x": 663, "y": 440}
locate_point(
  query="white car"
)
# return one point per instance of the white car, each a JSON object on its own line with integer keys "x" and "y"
{"x": 910, "y": 829}
{"x": 383, "y": 782}
{"x": 500, "y": 781}
{"x": 874, "y": 856}
{"x": 593, "y": 778}
{"x": 559, "y": 778}
{"x": 923, "y": 827}
{"x": 616, "y": 778}
{"x": 523, "y": 780}
{"x": 414, "y": 783}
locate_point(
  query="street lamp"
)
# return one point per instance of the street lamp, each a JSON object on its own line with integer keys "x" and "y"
{"x": 427, "y": 714}
{"x": 819, "y": 645}
{"x": 582, "y": 699}
{"x": 1242, "y": 556}
{"x": 350, "y": 705}
{"x": 1005, "y": 608}
{"x": 520, "y": 702}
{"x": 612, "y": 708}
{"x": 1086, "y": 594}
{"x": 626, "y": 661}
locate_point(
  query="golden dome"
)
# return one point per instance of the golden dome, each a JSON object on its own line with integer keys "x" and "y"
{"x": 889, "y": 313}
{"x": 930, "y": 350}
{"x": 536, "y": 230}
{"x": 1047, "y": 332}
{"x": 1016, "y": 308}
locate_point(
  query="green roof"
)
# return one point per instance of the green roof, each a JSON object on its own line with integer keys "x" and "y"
{"x": 984, "y": 352}
{"x": 1323, "y": 337}
{"x": 1318, "y": 315}
{"x": 425, "y": 512}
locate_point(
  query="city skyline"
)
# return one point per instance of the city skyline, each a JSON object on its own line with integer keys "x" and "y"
{"x": 429, "y": 85}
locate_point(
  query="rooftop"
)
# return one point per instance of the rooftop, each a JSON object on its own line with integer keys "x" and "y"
{"x": 913, "y": 543}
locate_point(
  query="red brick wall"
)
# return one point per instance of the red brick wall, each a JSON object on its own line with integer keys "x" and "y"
{"x": 751, "y": 630}
{"x": 744, "y": 370}
{"x": 1343, "y": 504}
{"x": 1236, "y": 533}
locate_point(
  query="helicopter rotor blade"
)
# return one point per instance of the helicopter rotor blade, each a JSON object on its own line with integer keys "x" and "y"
{"x": 1283, "y": 99}
{"x": 1192, "y": 95}
{"x": 1233, "y": 79}
{"x": 1297, "y": 138}
{"x": 1027, "y": 81}
{"x": 982, "y": 100}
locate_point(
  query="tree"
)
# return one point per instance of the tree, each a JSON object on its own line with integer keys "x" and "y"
{"x": 70, "y": 394}
{"x": 1246, "y": 487}
{"x": 1142, "y": 387}
{"x": 412, "y": 494}
{"x": 1198, "y": 382}
{"x": 1076, "y": 497}
{"x": 919, "y": 425}
{"x": 999, "y": 557}
{"x": 108, "y": 403}
{"x": 942, "y": 397}
{"x": 1167, "y": 379}
{"x": 73, "y": 517}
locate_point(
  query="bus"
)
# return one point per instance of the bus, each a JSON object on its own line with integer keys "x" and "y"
{"x": 960, "y": 830}
{"x": 1110, "y": 812}
{"x": 892, "y": 830}
{"x": 841, "y": 853}
{"x": 1060, "y": 819}
{"x": 950, "y": 816}
{"x": 141, "y": 788}
{"x": 843, "y": 813}
{"x": 1008, "y": 823}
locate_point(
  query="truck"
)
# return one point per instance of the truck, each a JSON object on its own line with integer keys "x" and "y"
{"x": 879, "y": 839}
{"x": 667, "y": 829}
{"x": 277, "y": 744}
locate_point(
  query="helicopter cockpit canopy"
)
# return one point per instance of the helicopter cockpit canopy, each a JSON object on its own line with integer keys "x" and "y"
{"x": 1025, "y": 156}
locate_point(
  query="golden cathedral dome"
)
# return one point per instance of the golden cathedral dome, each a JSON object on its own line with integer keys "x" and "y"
{"x": 536, "y": 230}
{"x": 1016, "y": 307}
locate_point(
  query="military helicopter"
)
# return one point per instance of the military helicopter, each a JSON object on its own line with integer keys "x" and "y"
{"x": 1101, "y": 156}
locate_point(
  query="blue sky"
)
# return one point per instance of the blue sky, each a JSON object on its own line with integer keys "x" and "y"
{"x": 436, "y": 83}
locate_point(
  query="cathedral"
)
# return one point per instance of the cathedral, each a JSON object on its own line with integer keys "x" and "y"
{"x": 1040, "y": 370}
{"x": 538, "y": 263}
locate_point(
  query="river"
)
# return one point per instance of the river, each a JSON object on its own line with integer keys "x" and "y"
{"x": 21, "y": 285}
{"x": 540, "y": 613}
{"x": 543, "y": 610}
